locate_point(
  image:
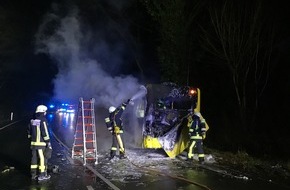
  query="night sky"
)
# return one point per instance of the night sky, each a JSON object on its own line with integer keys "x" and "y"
{"x": 67, "y": 49}
{"x": 46, "y": 43}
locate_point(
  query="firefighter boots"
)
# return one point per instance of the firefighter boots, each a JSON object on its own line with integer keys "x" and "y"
{"x": 43, "y": 177}
{"x": 201, "y": 160}
{"x": 122, "y": 156}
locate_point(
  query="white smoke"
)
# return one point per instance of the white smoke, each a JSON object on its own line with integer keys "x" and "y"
{"x": 65, "y": 40}
{"x": 80, "y": 75}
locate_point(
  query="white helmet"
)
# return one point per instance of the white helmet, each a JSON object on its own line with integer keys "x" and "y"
{"x": 112, "y": 109}
{"x": 41, "y": 108}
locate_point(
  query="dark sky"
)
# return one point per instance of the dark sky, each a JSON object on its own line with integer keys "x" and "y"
{"x": 47, "y": 43}
{"x": 71, "y": 49}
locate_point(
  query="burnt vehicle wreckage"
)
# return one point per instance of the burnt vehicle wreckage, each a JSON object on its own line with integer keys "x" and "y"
{"x": 167, "y": 107}
{"x": 162, "y": 111}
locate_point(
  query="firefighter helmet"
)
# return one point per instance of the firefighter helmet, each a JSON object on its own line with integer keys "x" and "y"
{"x": 112, "y": 109}
{"x": 41, "y": 108}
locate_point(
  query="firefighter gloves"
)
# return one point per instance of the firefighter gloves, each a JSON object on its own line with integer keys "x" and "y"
{"x": 117, "y": 129}
{"x": 48, "y": 145}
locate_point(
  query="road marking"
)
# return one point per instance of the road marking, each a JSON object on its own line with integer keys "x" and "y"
{"x": 90, "y": 188}
{"x": 87, "y": 166}
{"x": 102, "y": 177}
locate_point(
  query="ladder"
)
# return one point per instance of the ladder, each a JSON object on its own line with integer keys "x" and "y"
{"x": 85, "y": 144}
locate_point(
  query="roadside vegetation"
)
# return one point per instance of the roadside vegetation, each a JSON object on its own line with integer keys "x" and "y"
{"x": 240, "y": 162}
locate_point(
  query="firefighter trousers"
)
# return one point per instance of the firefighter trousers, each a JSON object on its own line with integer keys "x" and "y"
{"x": 117, "y": 142}
{"x": 196, "y": 144}
{"x": 38, "y": 162}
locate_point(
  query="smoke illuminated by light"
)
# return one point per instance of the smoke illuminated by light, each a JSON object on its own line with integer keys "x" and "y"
{"x": 79, "y": 74}
{"x": 67, "y": 41}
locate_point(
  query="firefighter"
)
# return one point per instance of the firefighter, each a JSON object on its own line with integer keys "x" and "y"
{"x": 115, "y": 126}
{"x": 40, "y": 141}
{"x": 197, "y": 132}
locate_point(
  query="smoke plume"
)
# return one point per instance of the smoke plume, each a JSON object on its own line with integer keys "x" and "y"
{"x": 78, "y": 74}
{"x": 67, "y": 42}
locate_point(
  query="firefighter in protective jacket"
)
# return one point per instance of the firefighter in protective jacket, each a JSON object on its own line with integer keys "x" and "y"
{"x": 39, "y": 142}
{"x": 115, "y": 126}
{"x": 197, "y": 132}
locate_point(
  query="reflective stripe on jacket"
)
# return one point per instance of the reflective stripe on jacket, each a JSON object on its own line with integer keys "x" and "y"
{"x": 115, "y": 118}
{"x": 38, "y": 132}
{"x": 196, "y": 127}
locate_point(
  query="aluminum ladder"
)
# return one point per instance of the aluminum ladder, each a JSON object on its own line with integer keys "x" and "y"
{"x": 85, "y": 144}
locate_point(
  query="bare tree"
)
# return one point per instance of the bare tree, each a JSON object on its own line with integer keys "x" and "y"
{"x": 244, "y": 43}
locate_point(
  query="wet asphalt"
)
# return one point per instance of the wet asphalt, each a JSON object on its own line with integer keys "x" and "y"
{"x": 150, "y": 172}
{"x": 15, "y": 162}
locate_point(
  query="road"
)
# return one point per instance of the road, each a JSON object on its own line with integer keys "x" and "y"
{"x": 143, "y": 169}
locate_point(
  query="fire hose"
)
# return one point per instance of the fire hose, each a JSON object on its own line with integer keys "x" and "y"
{"x": 169, "y": 175}
{"x": 143, "y": 168}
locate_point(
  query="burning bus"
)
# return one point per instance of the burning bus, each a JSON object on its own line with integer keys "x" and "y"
{"x": 165, "y": 109}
